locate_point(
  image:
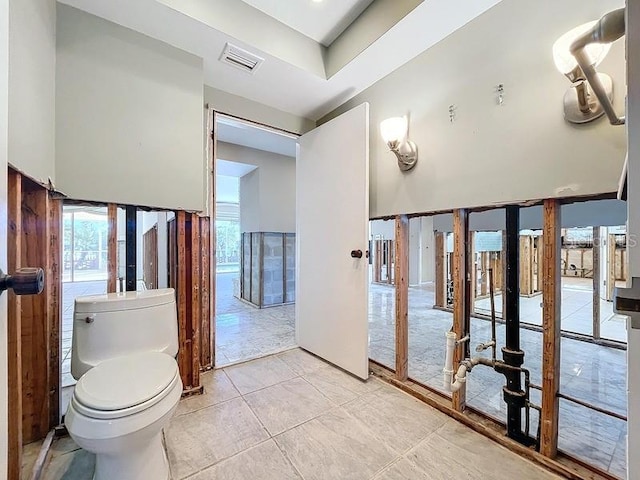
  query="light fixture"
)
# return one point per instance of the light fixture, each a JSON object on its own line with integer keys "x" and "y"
{"x": 576, "y": 54}
{"x": 394, "y": 133}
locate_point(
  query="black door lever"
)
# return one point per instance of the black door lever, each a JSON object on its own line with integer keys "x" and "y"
{"x": 356, "y": 253}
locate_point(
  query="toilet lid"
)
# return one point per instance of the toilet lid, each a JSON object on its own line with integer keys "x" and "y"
{"x": 127, "y": 381}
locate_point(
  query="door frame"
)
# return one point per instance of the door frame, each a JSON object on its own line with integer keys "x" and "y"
{"x": 213, "y": 116}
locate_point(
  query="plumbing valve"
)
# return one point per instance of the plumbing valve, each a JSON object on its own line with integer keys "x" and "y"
{"x": 26, "y": 281}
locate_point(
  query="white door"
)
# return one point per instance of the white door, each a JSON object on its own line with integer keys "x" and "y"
{"x": 332, "y": 210}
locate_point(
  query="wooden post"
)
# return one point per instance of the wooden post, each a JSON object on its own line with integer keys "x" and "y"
{"x": 401, "y": 276}
{"x": 206, "y": 343}
{"x": 36, "y": 331}
{"x": 196, "y": 307}
{"x": 596, "y": 283}
{"x": 611, "y": 270}
{"x": 526, "y": 258}
{"x": 473, "y": 273}
{"x": 484, "y": 279}
{"x": 441, "y": 271}
{"x": 54, "y": 301}
{"x": 14, "y": 326}
{"x": 112, "y": 248}
{"x": 551, "y": 295}
{"x": 460, "y": 231}
{"x": 183, "y": 295}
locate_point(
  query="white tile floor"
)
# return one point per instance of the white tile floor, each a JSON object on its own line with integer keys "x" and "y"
{"x": 294, "y": 417}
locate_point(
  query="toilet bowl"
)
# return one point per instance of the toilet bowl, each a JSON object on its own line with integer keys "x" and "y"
{"x": 118, "y": 411}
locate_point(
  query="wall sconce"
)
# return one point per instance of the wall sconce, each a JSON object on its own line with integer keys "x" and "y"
{"x": 576, "y": 54}
{"x": 394, "y": 133}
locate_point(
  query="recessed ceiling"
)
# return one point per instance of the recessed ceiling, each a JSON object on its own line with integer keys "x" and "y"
{"x": 322, "y": 21}
{"x": 225, "y": 168}
{"x": 292, "y": 78}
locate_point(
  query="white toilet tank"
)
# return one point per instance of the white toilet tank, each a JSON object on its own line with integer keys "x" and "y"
{"x": 117, "y": 324}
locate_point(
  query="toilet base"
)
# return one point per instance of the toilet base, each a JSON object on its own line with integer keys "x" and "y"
{"x": 146, "y": 463}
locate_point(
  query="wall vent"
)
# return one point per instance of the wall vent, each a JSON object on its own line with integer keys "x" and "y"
{"x": 240, "y": 58}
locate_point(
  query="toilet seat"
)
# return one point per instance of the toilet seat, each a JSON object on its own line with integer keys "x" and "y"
{"x": 126, "y": 385}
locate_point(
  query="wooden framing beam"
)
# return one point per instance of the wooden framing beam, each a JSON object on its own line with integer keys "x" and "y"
{"x": 53, "y": 277}
{"x": 183, "y": 295}
{"x": 551, "y": 328}
{"x": 112, "y": 248}
{"x": 526, "y": 265}
{"x": 206, "y": 343}
{"x": 460, "y": 235}
{"x": 196, "y": 309}
{"x": 401, "y": 275}
{"x": 473, "y": 273}
{"x": 596, "y": 283}
{"x": 14, "y": 327}
{"x": 441, "y": 270}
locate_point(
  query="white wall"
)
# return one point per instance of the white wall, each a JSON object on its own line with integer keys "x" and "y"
{"x": 224, "y": 102}
{"x": 4, "y": 131}
{"x": 633, "y": 128}
{"x": 494, "y": 153}
{"x": 32, "y": 74}
{"x": 129, "y": 116}
{"x": 268, "y": 193}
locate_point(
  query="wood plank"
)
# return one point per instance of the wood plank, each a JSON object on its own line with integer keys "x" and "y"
{"x": 14, "y": 327}
{"x": 196, "y": 309}
{"x": 473, "y": 271}
{"x": 484, "y": 276}
{"x": 551, "y": 295}
{"x": 525, "y": 265}
{"x": 596, "y": 282}
{"x": 441, "y": 271}
{"x": 54, "y": 299}
{"x": 460, "y": 233}
{"x": 36, "y": 352}
{"x": 611, "y": 266}
{"x": 206, "y": 342}
{"x": 401, "y": 276}
{"x": 182, "y": 295}
{"x": 112, "y": 248}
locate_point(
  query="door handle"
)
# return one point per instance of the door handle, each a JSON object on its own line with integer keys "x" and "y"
{"x": 26, "y": 281}
{"x": 356, "y": 253}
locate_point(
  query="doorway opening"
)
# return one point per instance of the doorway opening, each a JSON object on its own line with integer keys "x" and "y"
{"x": 254, "y": 240}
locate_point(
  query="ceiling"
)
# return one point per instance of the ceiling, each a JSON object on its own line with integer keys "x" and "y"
{"x": 321, "y": 20}
{"x": 237, "y": 132}
{"x": 293, "y": 77}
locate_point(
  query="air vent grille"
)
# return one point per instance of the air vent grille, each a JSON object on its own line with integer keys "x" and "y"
{"x": 240, "y": 58}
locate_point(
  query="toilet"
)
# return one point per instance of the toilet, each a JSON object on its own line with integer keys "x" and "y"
{"x": 123, "y": 357}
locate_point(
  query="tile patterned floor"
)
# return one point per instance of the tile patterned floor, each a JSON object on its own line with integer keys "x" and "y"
{"x": 294, "y": 417}
{"x": 244, "y": 332}
{"x": 590, "y": 372}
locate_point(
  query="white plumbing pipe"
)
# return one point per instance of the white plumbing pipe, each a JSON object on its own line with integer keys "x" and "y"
{"x": 447, "y": 371}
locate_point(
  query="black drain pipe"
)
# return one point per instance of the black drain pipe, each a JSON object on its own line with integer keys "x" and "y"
{"x": 513, "y": 393}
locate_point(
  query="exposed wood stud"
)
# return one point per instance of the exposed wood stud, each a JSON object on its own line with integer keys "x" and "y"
{"x": 596, "y": 283}
{"x": 14, "y": 327}
{"x": 472, "y": 275}
{"x": 183, "y": 297}
{"x": 441, "y": 271}
{"x": 526, "y": 259}
{"x": 112, "y": 247}
{"x": 131, "y": 249}
{"x": 54, "y": 297}
{"x": 551, "y": 328}
{"x": 401, "y": 276}
{"x": 206, "y": 347}
{"x": 196, "y": 308}
{"x": 460, "y": 235}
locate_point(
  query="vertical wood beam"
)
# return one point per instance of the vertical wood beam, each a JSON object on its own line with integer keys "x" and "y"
{"x": 112, "y": 247}
{"x": 54, "y": 300}
{"x": 14, "y": 326}
{"x": 183, "y": 296}
{"x": 483, "y": 273}
{"x": 196, "y": 307}
{"x": 525, "y": 265}
{"x": 460, "y": 234}
{"x": 131, "y": 249}
{"x": 36, "y": 347}
{"x": 401, "y": 276}
{"x": 473, "y": 273}
{"x": 596, "y": 283}
{"x": 441, "y": 271}
{"x": 206, "y": 348}
{"x": 551, "y": 295}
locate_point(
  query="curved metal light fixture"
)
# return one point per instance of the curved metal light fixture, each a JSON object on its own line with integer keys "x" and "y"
{"x": 394, "y": 133}
{"x": 577, "y": 54}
